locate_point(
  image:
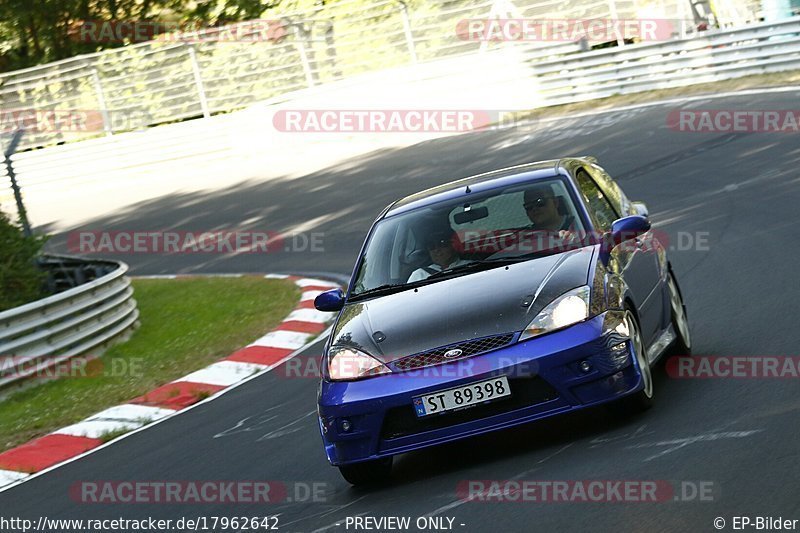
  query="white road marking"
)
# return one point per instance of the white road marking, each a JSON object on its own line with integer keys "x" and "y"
{"x": 224, "y": 373}
{"x": 244, "y": 425}
{"x": 281, "y": 431}
{"x": 132, "y": 412}
{"x": 460, "y": 502}
{"x": 336, "y": 524}
{"x": 310, "y": 295}
{"x": 8, "y": 476}
{"x": 178, "y": 413}
{"x": 336, "y": 508}
{"x": 677, "y": 444}
{"x": 309, "y": 282}
{"x": 120, "y": 418}
{"x": 95, "y": 429}
{"x": 283, "y": 339}
{"x": 640, "y": 432}
{"x": 308, "y": 315}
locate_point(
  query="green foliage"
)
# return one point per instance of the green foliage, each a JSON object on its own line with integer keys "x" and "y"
{"x": 37, "y": 31}
{"x": 20, "y": 279}
{"x": 153, "y": 82}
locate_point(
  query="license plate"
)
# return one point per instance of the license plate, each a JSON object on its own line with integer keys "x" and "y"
{"x": 460, "y": 397}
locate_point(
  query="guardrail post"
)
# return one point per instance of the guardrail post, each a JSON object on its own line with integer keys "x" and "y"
{"x": 198, "y": 80}
{"x": 301, "y": 49}
{"x": 7, "y": 153}
{"x": 101, "y": 100}
{"x": 612, "y": 11}
{"x": 407, "y": 31}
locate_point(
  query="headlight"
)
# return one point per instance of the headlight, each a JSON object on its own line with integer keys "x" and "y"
{"x": 569, "y": 308}
{"x": 347, "y": 364}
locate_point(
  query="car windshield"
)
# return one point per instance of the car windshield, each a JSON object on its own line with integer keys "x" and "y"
{"x": 456, "y": 237}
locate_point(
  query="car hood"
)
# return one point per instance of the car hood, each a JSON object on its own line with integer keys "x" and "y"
{"x": 501, "y": 300}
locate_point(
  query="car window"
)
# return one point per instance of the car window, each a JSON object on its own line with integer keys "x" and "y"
{"x": 612, "y": 191}
{"x": 505, "y": 211}
{"x": 603, "y": 215}
{"x": 477, "y": 227}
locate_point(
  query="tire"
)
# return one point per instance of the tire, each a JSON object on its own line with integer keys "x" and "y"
{"x": 642, "y": 400}
{"x": 367, "y": 472}
{"x": 680, "y": 322}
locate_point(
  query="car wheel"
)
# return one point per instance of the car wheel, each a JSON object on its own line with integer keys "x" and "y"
{"x": 367, "y": 472}
{"x": 680, "y": 323}
{"x": 642, "y": 400}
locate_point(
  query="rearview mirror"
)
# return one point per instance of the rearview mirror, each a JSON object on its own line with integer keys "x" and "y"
{"x": 471, "y": 215}
{"x": 331, "y": 301}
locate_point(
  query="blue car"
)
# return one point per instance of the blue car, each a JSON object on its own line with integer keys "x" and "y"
{"x": 492, "y": 301}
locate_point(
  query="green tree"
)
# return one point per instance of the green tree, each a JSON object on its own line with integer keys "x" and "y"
{"x": 21, "y": 281}
{"x": 38, "y": 31}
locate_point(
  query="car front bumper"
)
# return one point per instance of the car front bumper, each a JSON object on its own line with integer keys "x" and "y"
{"x": 375, "y": 417}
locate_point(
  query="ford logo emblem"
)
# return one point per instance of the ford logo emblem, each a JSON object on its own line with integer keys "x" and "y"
{"x": 452, "y": 354}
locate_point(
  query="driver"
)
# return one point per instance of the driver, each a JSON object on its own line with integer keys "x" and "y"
{"x": 440, "y": 248}
{"x": 544, "y": 210}
{"x": 553, "y": 228}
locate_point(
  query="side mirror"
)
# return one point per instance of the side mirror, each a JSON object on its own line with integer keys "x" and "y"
{"x": 623, "y": 229}
{"x": 627, "y": 228}
{"x": 641, "y": 209}
{"x": 332, "y": 300}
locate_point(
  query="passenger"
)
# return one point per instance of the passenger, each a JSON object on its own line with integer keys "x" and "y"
{"x": 442, "y": 253}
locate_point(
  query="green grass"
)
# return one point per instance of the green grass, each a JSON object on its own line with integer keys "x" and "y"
{"x": 186, "y": 324}
{"x": 108, "y": 436}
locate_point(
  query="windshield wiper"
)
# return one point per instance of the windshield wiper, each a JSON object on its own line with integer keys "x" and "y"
{"x": 381, "y": 290}
{"x": 476, "y": 265}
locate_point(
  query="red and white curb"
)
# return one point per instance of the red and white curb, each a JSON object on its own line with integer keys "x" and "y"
{"x": 266, "y": 353}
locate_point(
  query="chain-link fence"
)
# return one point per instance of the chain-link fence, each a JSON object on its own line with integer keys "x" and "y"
{"x": 189, "y": 75}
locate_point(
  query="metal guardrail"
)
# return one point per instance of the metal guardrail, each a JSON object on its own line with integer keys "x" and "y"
{"x": 236, "y": 146}
{"x": 710, "y": 56}
{"x": 36, "y": 337}
{"x": 167, "y": 80}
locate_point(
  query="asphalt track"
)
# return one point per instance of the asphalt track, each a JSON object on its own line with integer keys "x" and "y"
{"x": 741, "y": 289}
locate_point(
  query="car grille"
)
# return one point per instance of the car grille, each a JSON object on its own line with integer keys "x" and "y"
{"x": 468, "y": 349}
{"x": 525, "y": 392}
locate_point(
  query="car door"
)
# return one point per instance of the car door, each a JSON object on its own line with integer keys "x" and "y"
{"x": 633, "y": 260}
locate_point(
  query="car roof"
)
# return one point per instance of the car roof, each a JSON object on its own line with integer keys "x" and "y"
{"x": 478, "y": 183}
